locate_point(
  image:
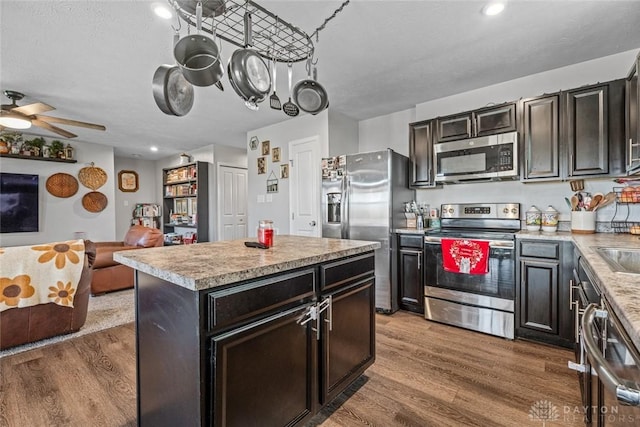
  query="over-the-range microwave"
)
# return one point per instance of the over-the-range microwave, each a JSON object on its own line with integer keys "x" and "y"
{"x": 493, "y": 157}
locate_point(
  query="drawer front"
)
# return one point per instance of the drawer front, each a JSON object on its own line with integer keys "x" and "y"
{"x": 255, "y": 300}
{"x": 412, "y": 241}
{"x": 548, "y": 250}
{"x": 346, "y": 271}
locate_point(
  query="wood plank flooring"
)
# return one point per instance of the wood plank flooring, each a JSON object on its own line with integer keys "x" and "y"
{"x": 425, "y": 374}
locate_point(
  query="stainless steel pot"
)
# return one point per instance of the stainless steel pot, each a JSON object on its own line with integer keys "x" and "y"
{"x": 199, "y": 57}
{"x": 248, "y": 72}
{"x": 310, "y": 96}
{"x": 171, "y": 91}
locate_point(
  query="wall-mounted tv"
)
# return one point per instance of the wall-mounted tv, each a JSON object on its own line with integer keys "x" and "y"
{"x": 18, "y": 202}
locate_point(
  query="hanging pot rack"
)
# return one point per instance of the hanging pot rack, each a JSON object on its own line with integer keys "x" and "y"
{"x": 272, "y": 37}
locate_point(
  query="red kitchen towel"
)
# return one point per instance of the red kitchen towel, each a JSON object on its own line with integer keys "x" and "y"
{"x": 465, "y": 256}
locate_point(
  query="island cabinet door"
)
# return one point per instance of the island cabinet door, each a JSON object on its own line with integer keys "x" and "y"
{"x": 347, "y": 341}
{"x": 265, "y": 373}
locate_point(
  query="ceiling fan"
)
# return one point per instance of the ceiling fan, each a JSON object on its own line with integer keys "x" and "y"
{"x": 22, "y": 117}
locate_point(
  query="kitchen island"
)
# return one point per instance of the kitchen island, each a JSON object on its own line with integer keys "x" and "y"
{"x": 233, "y": 336}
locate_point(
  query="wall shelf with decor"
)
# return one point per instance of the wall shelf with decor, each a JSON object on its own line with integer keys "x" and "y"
{"x": 186, "y": 201}
{"x": 46, "y": 159}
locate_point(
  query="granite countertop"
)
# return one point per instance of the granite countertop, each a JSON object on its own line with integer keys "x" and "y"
{"x": 207, "y": 265}
{"x": 622, "y": 290}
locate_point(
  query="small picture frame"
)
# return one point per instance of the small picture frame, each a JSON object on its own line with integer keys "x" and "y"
{"x": 275, "y": 154}
{"x": 128, "y": 181}
{"x": 266, "y": 148}
{"x": 262, "y": 165}
{"x": 253, "y": 143}
{"x": 284, "y": 171}
{"x": 272, "y": 183}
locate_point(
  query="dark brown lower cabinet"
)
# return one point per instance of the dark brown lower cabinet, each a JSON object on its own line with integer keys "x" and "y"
{"x": 543, "y": 292}
{"x": 265, "y": 352}
{"x": 348, "y": 338}
{"x": 268, "y": 364}
{"x": 411, "y": 273}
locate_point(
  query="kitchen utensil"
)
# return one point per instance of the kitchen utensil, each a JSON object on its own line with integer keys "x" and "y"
{"x": 171, "y": 91}
{"x": 248, "y": 73}
{"x": 595, "y": 200}
{"x": 198, "y": 57}
{"x": 574, "y": 203}
{"x": 580, "y": 200}
{"x": 566, "y": 199}
{"x": 274, "y": 101}
{"x": 309, "y": 95}
{"x": 606, "y": 200}
{"x": 577, "y": 184}
{"x": 289, "y": 108}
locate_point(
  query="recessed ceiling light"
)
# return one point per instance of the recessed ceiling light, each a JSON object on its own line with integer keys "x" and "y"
{"x": 153, "y": 148}
{"x": 493, "y": 9}
{"x": 162, "y": 10}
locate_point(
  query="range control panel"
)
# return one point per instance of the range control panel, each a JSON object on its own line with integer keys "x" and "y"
{"x": 482, "y": 210}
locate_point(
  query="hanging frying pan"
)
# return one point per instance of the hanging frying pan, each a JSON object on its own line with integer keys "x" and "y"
{"x": 171, "y": 91}
{"x": 248, "y": 73}
{"x": 309, "y": 95}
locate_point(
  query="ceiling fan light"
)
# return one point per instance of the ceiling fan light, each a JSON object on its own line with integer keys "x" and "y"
{"x": 14, "y": 121}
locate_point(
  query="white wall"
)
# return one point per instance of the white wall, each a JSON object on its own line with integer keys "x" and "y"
{"x": 62, "y": 218}
{"x": 147, "y": 190}
{"x": 279, "y": 135}
{"x": 390, "y": 131}
{"x": 343, "y": 134}
{"x": 394, "y": 127}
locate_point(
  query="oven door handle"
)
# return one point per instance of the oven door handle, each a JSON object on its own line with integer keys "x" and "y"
{"x": 506, "y": 244}
{"x": 625, "y": 394}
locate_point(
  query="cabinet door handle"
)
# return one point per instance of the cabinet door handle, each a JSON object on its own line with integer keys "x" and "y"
{"x": 325, "y": 305}
{"x": 419, "y": 255}
{"x": 571, "y": 288}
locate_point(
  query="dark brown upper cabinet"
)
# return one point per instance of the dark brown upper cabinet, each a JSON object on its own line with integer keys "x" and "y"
{"x": 632, "y": 115}
{"x": 540, "y": 132}
{"x": 421, "y": 154}
{"x": 594, "y": 129}
{"x": 484, "y": 121}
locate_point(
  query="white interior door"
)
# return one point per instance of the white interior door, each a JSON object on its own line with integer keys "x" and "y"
{"x": 232, "y": 203}
{"x": 304, "y": 195}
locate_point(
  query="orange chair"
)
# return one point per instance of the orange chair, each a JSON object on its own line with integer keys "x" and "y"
{"x": 109, "y": 275}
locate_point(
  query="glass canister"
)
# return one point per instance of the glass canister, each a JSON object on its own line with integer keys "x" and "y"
{"x": 550, "y": 220}
{"x": 265, "y": 232}
{"x": 533, "y": 218}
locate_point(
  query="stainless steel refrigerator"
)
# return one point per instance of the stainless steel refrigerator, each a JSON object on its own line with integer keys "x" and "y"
{"x": 363, "y": 198}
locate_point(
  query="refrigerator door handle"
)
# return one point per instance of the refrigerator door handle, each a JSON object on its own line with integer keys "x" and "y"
{"x": 346, "y": 190}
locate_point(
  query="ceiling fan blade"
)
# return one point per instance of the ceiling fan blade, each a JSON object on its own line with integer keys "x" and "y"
{"x": 31, "y": 109}
{"x": 52, "y": 128}
{"x": 70, "y": 122}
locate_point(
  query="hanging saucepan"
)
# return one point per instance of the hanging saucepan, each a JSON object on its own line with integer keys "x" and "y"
{"x": 309, "y": 95}
{"x": 248, "y": 73}
{"x": 172, "y": 92}
{"x": 199, "y": 57}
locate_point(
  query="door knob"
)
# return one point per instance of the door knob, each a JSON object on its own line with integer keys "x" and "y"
{"x": 312, "y": 223}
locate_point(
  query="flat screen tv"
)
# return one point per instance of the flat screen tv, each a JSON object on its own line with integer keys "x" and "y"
{"x": 18, "y": 202}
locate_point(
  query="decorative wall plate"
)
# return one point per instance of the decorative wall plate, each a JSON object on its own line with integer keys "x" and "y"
{"x": 62, "y": 185}
{"x": 92, "y": 177}
{"x": 94, "y": 201}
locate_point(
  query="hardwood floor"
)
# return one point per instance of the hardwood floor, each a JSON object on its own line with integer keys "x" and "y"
{"x": 425, "y": 374}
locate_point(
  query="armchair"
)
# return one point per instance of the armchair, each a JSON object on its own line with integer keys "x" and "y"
{"x": 109, "y": 275}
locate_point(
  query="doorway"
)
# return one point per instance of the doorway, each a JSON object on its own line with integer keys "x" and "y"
{"x": 232, "y": 202}
{"x": 304, "y": 194}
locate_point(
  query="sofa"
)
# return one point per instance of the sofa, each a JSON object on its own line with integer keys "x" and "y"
{"x": 110, "y": 275}
{"x": 21, "y": 325}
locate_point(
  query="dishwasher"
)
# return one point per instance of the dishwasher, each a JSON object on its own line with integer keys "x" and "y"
{"x": 615, "y": 365}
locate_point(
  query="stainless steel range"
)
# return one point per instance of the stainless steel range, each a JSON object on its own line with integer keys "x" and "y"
{"x": 481, "y": 301}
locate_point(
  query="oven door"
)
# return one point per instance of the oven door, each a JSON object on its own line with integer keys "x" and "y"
{"x": 499, "y": 282}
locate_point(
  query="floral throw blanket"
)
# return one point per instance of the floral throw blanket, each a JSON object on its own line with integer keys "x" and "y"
{"x": 39, "y": 274}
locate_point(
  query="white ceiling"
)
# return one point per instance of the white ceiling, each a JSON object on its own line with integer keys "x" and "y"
{"x": 94, "y": 60}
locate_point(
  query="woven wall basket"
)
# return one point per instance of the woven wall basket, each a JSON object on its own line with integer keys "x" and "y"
{"x": 62, "y": 185}
{"x": 94, "y": 201}
{"x": 92, "y": 177}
